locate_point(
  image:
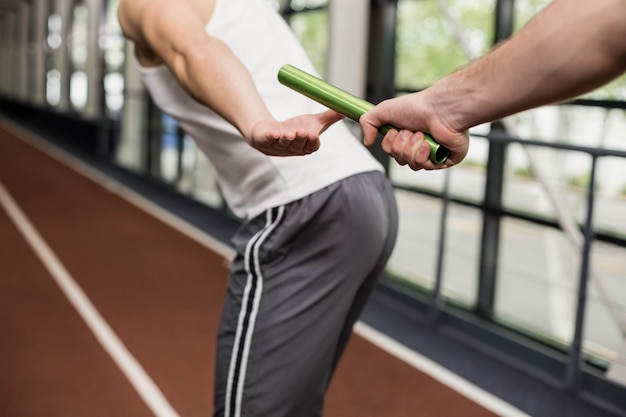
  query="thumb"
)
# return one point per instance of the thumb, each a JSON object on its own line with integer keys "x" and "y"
{"x": 370, "y": 130}
{"x": 328, "y": 118}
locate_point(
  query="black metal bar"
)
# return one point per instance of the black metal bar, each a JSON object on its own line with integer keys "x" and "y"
{"x": 586, "y": 102}
{"x": 436, "y": 300}
{"x": 490, "y": 241}
{"x": 572, "y": 371}
{"x": 505, "y": 16}
{"x": 606, "y": 104}
{"x": 180, "y": 148}
{"x": 504, "y": 137}
{"x": 490, "y": 236}
{"x": 381, "y": 61}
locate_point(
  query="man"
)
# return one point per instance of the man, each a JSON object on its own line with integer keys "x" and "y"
{"x": 570, "y": 48}
{"x": 318, "y": 229}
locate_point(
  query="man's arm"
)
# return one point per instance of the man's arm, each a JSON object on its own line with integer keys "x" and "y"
{"x": 173, "y": 32}
{"x": 570, "y": 48}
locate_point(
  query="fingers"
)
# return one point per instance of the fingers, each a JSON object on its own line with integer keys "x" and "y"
{"x": 328, "y": 118}
{"x": 306, "y": 137}
{"x": 303, "y": 144}
{"x": 290, "y": 145}
{"x": 275, "y": 139}
{"x": 408, "y": 148}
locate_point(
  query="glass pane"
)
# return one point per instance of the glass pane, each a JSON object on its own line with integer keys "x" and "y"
{"x": 526, "y": 10}
{"x": 610, "y": 204}
{"x": 434, "y": 40}
{"x": 53, "y": 87}
{"x": 577, "y": 125}
{"x": 54, "y": 41}
{"x": 199, "y": 177}
{"x": 78, "y": 89}
{"x": 537, "y": 281}
{"x": 170, "y": 155}
{"x": 462, "y": 253}
{"x": 556, "y": 184}
{"x": 311, "y": 28}
{"x": 547, "y": 182}
{"x": 78, "y": 56}
{"x": 183, "y": 165}
{"x": 414, "y": 260}
{"x": 605, "y": 321}
{"x": 307, "y": 4}
{"x": 114, "y": 57}
{"x": 538, "y": 285}
{"x": 467, "y": 180}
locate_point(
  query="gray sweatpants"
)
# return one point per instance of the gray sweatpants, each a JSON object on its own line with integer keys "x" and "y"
{"x": 302, "y": 275}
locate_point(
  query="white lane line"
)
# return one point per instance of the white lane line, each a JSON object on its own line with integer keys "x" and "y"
{"x": 441, "y": 374}
{"x": 137, "y": 376}
{"x": 115, "y": 187}
{"x": 378, "y": 339}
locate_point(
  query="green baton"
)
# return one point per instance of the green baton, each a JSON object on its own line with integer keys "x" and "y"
{"x": 342, "y": 102}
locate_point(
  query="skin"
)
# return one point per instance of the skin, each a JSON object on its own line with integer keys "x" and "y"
{"x": 570, "y": 48}
{"x": 172, "y": 32}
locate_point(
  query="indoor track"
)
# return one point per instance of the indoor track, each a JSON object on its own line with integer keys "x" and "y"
{"x": 109, "y": 307}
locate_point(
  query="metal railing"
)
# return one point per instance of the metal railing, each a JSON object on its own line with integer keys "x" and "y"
{"x": 589, "y": 234}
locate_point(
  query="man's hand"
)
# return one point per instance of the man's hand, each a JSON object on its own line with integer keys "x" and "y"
{"x": 299, "y": 135}
{"x": 413, "y": 114}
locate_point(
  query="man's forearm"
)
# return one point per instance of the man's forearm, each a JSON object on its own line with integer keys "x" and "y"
{"x": 570, "y": 48}
{"x": 222, "y": 84}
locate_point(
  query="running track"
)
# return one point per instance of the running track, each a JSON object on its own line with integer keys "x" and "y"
{"x": 109, "y": 307}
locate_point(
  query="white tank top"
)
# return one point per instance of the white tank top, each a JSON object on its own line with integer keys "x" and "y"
{"x": 252, "y": 182}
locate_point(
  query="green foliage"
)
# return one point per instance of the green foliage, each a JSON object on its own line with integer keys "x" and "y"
{"x": 524, "y": 172}
{"x": 473, "y": 163}
{"x": 580, "y": 180}
{"x": 525, "y": 10}
{"x": 426, "y": 47}
{"x": 308, "y": 4}
{"x": 427, "y": 50}
{"x": 312, "y": 30}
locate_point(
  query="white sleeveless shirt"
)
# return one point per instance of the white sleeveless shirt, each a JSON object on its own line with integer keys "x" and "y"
{"x": 252, "y": 182}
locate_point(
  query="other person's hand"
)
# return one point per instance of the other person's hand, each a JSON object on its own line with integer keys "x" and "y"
{"x": 299, "y": 135}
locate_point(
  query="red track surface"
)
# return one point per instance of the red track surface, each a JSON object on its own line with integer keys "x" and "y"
{"x": 160, "y": 292}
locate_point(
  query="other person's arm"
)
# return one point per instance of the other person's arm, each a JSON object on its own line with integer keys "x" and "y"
{"x": 570, "y": 48}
